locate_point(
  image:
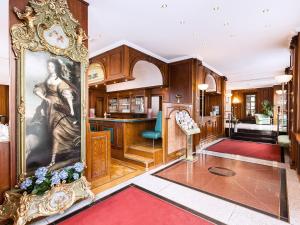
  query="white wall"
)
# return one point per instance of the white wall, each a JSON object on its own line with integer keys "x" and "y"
{"x": 4, "y": 40}
{"x": 146, "y": 75}
{"x": 4, "y": 71}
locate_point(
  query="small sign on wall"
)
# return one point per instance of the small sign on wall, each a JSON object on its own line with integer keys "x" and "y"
{"x": 95, "y": 73}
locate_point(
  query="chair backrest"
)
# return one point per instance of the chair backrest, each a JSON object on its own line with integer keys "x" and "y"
{"x": 158, "y": 125}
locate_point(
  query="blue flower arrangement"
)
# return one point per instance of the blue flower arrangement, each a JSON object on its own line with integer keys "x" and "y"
{"x": 44, "y": 179}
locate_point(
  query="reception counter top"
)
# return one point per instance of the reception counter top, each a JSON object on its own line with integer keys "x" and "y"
{"x": 116, "y": 120}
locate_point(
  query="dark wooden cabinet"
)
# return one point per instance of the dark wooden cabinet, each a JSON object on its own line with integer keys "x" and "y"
{"x": 118, "y": 64}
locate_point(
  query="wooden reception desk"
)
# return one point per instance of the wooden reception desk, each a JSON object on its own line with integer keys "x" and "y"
{"x": 124, "y": 132}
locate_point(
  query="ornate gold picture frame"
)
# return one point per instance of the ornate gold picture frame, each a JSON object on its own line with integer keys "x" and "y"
{"x": 51, "y": 66}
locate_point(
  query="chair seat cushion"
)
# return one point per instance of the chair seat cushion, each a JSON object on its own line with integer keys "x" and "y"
{"x": 151, "y": 134}
{"x": 284, "y": 141}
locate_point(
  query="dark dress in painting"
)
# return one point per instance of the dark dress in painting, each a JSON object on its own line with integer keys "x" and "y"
{"x": 63, "y": 127}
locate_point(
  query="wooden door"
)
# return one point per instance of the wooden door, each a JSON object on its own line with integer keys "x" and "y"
{"x": 99, "y": 107}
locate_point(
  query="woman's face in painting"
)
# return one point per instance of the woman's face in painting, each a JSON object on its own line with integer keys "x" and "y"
{"x": 51, "y": 67}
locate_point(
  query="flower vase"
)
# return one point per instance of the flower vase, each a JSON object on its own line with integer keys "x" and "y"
{"x": 23, "y": 208}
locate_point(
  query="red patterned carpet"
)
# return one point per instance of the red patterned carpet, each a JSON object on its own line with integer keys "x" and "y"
{"x": 247, "y": 148}
{"x": 134, "y": 206}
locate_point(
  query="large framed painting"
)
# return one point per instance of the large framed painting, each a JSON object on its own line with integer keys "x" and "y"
{"x": 52, "y": 61}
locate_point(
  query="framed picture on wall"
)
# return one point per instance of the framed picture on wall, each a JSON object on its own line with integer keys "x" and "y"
{"x": 52, "y": 110}
{"x": 51, "y": 65}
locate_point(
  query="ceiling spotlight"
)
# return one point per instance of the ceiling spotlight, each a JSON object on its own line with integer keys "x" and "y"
{"x": 94, "y": 38}
{"x": 196, "y": 35}
{"x": 163, "y": 6}
{"x": 216, "y": 8}
{"x": 182, "y": 22}
{"x": 268, "y": 26}
{"x": 265, "y": 10}
{"x": 226, "y": 24}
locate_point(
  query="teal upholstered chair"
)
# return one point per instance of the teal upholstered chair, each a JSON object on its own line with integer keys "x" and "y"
{"x": 156, "y": 133}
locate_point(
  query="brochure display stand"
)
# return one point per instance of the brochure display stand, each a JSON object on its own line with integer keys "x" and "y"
{"x": 189, "y": 127}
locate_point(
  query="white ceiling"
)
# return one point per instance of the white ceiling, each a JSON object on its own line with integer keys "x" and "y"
{"x": 244, "y": 40}
{"x": 233, "y": 37}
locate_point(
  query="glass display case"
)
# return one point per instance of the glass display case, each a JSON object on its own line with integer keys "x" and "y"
{"x": 124, "y": 105}
{"x": 138, "y": 104}
{"x": 113, "y": 105}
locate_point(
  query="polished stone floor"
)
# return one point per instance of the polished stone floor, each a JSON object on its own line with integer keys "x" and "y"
{"x": 252, "y": 185}
{"x": 219, "y": 209}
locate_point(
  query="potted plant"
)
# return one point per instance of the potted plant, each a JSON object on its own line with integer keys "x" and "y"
{"x": 267, "y": 108}
{"x": 45, "y": 193}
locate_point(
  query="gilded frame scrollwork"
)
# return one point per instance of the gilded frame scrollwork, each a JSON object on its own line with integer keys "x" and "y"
{"x": 39, "y": 17}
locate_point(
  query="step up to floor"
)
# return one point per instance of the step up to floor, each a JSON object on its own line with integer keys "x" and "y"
{"x": 146, "y": 161}
{"x": 257, "y": 132}
{"x": 145, "y": 148}
{"x": 255, "y": 139}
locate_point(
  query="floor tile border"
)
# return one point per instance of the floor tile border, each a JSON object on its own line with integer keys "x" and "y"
{"x": 183, "y": 207}
{"x": 283, "y": 193}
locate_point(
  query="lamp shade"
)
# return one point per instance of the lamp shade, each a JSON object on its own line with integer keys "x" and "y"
{"x": 202, "y": 87}
{"x": 283, "y": 78}
{"x": 235, "y": 100}
{"x": 279, "y": 92}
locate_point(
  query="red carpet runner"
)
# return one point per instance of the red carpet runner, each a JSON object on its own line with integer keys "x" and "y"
{"x": 133, "y": 206}
{"x": 247, "y": 148}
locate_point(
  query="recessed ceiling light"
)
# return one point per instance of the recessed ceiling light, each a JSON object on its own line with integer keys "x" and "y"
{"x": 182, "y": 22}
{"x": 163, "y": 6}
{"x": 226, "y": 24}
{"x": 196, "y": 35}
{"x": 267, "y": 25}
{"x": 216, "y": 8}
{"x": 94, "y": 38}
{"x": 265, "y": 10}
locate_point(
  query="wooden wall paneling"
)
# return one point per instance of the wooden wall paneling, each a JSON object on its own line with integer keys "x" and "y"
{"x": 79, "y": 9}
{"x": 133, "y": 133}
{"x": 180, "y": 81}
{"x": 173, "y": 147}
{"x": 294, "y": 91}
{"x": 5, "y": 181}
{"x": 98, "y": 157}
{"x": 261, "y": 95}
{"x": 296, "y": 152}
{"x": 4, "y": 99}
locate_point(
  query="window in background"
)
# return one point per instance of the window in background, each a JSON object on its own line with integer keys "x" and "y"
{"x": 250, "y": 104}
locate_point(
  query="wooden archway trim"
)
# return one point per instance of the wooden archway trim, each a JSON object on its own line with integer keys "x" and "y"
{"x": 135, "y": 56}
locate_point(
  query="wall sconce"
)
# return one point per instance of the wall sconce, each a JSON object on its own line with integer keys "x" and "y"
{"x": 202, "y": 87}
{"x": 236, "y": 100}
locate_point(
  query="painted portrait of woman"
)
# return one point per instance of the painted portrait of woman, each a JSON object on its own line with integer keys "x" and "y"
{"x": 53, "y": 129}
